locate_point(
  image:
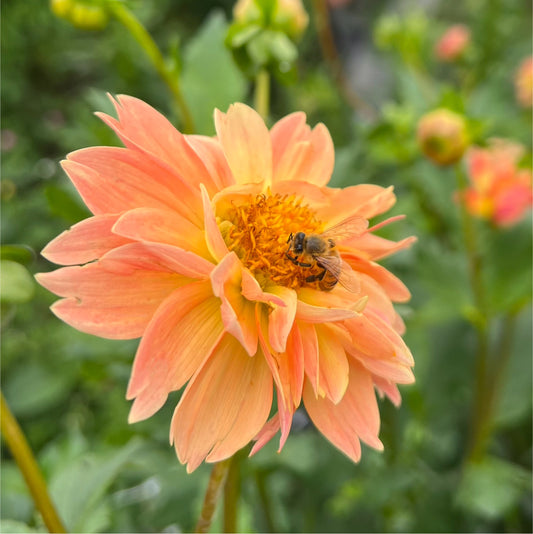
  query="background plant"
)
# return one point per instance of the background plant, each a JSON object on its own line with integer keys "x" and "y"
{"x": 447, "y": 465}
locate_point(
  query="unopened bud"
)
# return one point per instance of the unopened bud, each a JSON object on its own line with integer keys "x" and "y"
{"x": 443, "y": 136}
{"x": 453, "y": 43}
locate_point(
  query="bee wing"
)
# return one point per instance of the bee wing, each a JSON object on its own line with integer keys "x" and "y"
{"x": 341, "y": 271}
{"x": 349, "y": 227}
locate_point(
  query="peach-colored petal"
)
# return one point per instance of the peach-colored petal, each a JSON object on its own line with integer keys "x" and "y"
{"x": 364, "y": 200}
{"x": 311, "y": 355}
{"x": 238, "y": 313}
{"x": 214, "y": 240}
{"x": 246, "y": 143}
{"x": 85, "y": 241}
{"x": 109, "y": 304}
{"x": 301, "y": 154}
{"x": 386, "y": 387}
{"x": 355, "y": 417}
{"x": 142, "y": 128}
{"x": 281, "y": 318}
{"x": 268, "y": 431}
{"x": 224, "y": 406}
{"x": 373, "y": 247}
{"x": 212, "y": 155}
{"x": 333, "y": 364}
{"x": 392, "y": 285}
{"x": 184, "y": 329}
{"x": 112, "y": 179}
{"x": 162, "y": 226}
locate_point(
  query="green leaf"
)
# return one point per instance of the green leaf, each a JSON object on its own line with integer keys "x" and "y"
{"x": 79, "y": 488}
{"x": 15, "y": 527}
{"x": 492, "y": 487}
{"x": 16, "y": 283}
{"x": 19, "y": 253}
{"x": 210, "y": 78}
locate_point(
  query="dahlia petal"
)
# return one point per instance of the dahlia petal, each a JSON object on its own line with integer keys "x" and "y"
{"x": 295, "y": 359}
{"x": 211, "y": 153}
{"x": 386, "y": 387}
{"x": 215, "y": 242}
{"x": 392, "y": 285}
{"x": 156, "y": 256}
{"x": 130, "y": 180}
{"x": 85, "y": 241}
{"x": 355, "y": 417}
{"x": 238, "y": 313}
{"x": 161, "y": 226}
{"x": 392, "y": 370}
{"x": 253, "y": 291}
{"x": 105, "y": 303}
{"x": 300, "y": 153}
{"x": 365, "y": 200}
{"x": 246, "y": 143}
{"x": 281, "y": 318}
{"x": 332, "y": 364}
{"x": 268, "y": 431}
{"x": 317, "y": 314}
{"x": 224, "y": 406}
{"x": 184, "y": 330}
{"x": 142, "y": 128}
{"x": 373, "y": 247}
{"x": 280, "y": 367}
{"x": 311, "y": 354}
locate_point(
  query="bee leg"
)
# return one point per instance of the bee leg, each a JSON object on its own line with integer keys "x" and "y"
{"x": 316, "y": 277}
{"x": 296, "y": 262}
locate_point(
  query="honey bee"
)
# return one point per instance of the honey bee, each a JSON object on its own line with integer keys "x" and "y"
{"x": 309, "y": 250}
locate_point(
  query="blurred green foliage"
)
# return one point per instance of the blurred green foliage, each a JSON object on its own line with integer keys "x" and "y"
{"x": 67, "y": 388}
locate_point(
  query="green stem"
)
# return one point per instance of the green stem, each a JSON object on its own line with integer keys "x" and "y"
{"x": 265, "y": 500}
{"x": 212, "y": 495}
{"x": 139, "y": 33}
{"x": 481, "y": 412}
{"x": 262, "y": 93}
{"x": 23, "y": 455}
{"x": 231, "y": 494}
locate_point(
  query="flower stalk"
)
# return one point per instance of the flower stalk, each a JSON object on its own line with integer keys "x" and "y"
{"x": 27, "y": 463}
{"x": 262, "y": 93}
{"x": 141, "y": 35}
{"x": 481, "y": 408}
{"x": 215, "y": 486}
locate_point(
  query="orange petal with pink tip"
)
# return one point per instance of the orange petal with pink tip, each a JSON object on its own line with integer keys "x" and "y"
{"x": 185, "y": 328}
{"x": 108, "y": 304}
{"x": 391, "y": 284}
{"x": 246, "y": 143}
{"x": 268, "y": 431}
{"x": 224, "y": 406}
{"x": 365, "y": 200}
{"x": 386, "y": 387}
{"x": 373, "y": 247}
{"x": 85, "y": 241}
{"x": 112, "y": 179}
{"x": 214, "y": 240}
{"x": 162, "y": 226}
{"x": 238, "y": 313}
{"x": 212, "y": 155}
{"x": 355, "y": 417}
{"x": 142, "y": 128}
{"x": 281, "y": 318}
{"x": 332, "y": 363}
{"x": 300, "y": 153}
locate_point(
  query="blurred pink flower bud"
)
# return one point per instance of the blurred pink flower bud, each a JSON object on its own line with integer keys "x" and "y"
{"x": 523, "y": 83}
{"x": 443, "y": 136}
{"x": 453, "y": 43}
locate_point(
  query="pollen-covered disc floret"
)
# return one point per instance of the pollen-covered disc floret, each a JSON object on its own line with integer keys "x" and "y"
{"x": 258, "y": 232}
{"x": 188, "y": 249}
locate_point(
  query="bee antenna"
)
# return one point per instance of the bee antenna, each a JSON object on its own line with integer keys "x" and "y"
{"x": 289, "y": 238}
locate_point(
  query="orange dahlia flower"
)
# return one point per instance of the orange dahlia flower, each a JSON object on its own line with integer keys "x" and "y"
{"x": 500, "y": 190}
{"x": 196, "y": 247}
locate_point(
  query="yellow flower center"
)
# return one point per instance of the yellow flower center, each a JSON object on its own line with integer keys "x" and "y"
{"x": 258, "y": 232}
